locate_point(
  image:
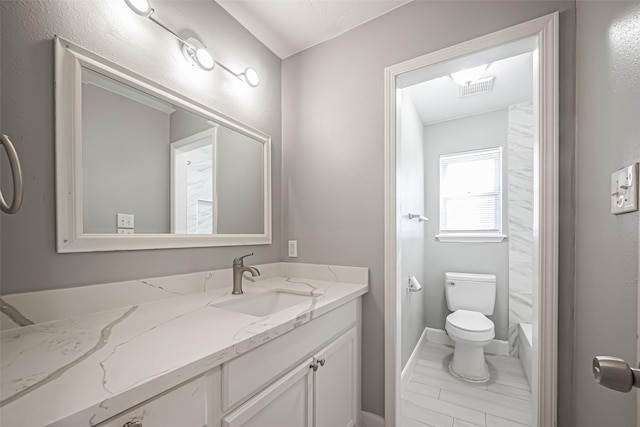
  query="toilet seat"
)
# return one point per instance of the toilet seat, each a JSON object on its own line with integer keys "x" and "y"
{"x": 471, "y": 321}
{"x": 470, "y": 326}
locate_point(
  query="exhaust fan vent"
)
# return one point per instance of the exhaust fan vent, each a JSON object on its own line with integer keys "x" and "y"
{"x": 481, "y": 86}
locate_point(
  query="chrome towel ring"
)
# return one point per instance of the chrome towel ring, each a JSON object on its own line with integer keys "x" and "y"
{"x": 16, "y": 172}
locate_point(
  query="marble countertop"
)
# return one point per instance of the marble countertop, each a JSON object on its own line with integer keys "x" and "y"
{"x": 86, "y": 369}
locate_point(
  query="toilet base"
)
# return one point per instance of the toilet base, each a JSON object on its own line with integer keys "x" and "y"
{"x": 468, "y": 364}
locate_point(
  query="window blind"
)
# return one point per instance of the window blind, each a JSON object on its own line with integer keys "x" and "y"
{"x": 471, "y": 191}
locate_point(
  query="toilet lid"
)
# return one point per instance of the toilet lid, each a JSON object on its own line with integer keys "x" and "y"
{"x": 471, "y": 321}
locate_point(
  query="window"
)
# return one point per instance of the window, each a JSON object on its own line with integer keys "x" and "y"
{"x": 471, "y": 196}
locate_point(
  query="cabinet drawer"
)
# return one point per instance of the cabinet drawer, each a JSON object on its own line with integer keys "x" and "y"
{"x": 184, "y": 406}
{"x": 248, "y": 373}
{"x": 286, "y": 403}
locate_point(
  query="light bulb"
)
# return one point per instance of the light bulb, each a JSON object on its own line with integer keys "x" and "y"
{"x": 251, "y": 77}
{"x": 140, "y": 7}
{"x": 468, "y": 76}
{"x": 197, "y": 55}
{"x": 204, "y": 59}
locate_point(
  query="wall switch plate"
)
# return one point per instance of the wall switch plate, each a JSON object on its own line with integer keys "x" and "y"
{"x": 293, "y": 248}
{"x": 125, "y": 230}
{"x": 125, "y": 220}
{"x": 624, "y": 190}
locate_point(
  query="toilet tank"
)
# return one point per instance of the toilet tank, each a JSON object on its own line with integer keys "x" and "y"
{"x": 474, "y": 292}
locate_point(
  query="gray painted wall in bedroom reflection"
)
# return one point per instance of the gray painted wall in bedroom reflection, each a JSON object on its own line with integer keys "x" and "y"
{"x": 333, "y": 133}
{"x": 110, "y": 29}
{"x": 125, "y": 159}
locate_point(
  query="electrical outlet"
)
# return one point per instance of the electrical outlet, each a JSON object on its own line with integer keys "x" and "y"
{"x": 624, "y": 190}
{"x": 125, "y": 230}
{"x": 293, "y": 248}
{"x": 125, "y": 221}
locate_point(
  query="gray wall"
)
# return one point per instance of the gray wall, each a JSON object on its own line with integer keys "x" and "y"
{"x": 476, "y": 132}
{"x": 111, "y": 29}
{"x": 608, "y": 102}
{"x": 410, "y": 194}
{"x": 333, "y": 132}
{"x": 240, "y": 183}
{"x": 184, "y": 123}
{"x": 125, "y": 162}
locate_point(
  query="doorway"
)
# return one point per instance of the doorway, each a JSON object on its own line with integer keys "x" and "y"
{"x": 533, "y": 43}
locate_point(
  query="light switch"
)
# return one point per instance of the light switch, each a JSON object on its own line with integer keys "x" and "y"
{"x": 125, "y": 230}
{"x": 125, "y": 220}
{"x": 293, "y": 248}
{"x": 624, "y": 190}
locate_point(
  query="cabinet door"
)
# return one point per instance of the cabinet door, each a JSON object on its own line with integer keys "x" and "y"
{"x": 335, "y": 383}
{"x": 286, "y": 403}
{"x": 184, "y": 406}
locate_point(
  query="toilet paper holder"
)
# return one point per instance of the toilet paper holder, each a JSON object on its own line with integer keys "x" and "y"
{"x": 414, "y": 285}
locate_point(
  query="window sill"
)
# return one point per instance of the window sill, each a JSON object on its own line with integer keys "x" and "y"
{"x": 471, "y": 238}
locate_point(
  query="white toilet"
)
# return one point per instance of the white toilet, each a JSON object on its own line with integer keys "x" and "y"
{"x": 470, "y": 297}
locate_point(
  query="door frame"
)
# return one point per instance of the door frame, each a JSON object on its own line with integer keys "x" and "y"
{"x": 545, "y": 229}
{"x": 176, "y": 191}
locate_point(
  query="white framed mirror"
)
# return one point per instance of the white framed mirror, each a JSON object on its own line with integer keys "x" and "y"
{"x": 139, "y": 166}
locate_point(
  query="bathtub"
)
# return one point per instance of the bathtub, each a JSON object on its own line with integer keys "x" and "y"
{"x": 525, "y": 344}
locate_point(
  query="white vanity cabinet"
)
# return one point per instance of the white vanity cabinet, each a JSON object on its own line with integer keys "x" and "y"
{"x": 286, "y": 403}
{"x": 321, "y": 392}
{"x": 308, "y": 377}
{"x": 335, "y": 383}
{"x": 184, "y": 406}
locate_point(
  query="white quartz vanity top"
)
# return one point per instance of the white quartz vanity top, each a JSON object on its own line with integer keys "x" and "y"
{"x": 86, "y": 369}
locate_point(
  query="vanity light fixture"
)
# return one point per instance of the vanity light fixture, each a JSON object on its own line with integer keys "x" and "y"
{"x": 141, "y": 7}
{"x": 193, "y": 50}
{"x": 469, "y": 75}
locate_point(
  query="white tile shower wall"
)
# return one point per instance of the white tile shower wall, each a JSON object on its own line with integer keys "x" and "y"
{"x": 44, "y": 306}
{"x": 200, "y": 189}
{"x": 520, "y": 219}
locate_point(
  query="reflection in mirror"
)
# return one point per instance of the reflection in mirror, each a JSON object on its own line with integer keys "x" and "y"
{"x": 175, "y": 171}
{"x": 140, "y": 166}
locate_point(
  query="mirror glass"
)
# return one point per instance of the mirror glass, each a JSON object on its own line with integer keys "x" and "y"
{"x": 141, "y": 166}
{"x": 173, "y": 170}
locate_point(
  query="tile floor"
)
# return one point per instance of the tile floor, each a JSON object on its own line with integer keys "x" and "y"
{"x": 433, "y": 397}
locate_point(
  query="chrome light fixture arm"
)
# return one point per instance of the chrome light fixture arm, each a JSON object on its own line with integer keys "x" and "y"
{"x": 195, "y": 52}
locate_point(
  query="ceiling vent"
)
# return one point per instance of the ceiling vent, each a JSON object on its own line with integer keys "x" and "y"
{"x": 481, "y": 86}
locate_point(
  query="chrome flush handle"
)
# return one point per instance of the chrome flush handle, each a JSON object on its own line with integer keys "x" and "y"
{"x": 132, "y": 424}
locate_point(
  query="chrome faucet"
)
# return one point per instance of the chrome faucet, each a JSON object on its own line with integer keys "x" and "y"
{"x": 238, "y": 270}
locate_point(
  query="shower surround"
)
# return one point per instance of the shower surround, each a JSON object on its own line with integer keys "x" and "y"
{"x": 521, "y": 135}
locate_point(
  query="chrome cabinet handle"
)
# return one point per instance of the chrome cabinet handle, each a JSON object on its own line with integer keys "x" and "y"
{"x": 16, "y": 172}
{"x": 317, "y": 364}
{"x": 132, "y": 424}
{"x": 615, "y": 373}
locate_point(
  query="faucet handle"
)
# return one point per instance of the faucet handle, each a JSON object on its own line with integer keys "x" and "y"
{"x": 238, "y": 261}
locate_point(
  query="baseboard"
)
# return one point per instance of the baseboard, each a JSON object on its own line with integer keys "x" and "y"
{"x": 413, "y": 359}
{"x": 369, "y": 419}
{"x": 438, "y": 336}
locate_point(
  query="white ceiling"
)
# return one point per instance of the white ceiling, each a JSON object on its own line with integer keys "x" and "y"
{"x": 290, "y": 26}
{"x": 438, "y": 99}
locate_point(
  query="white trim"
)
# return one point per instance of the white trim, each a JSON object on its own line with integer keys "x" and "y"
{"x": 470, "y": 238}
{"x": 110, "y": 85}
{"x": 638, "y": 326}
{"x": 368, "y": 419}
{"x": 545, "y": 31}
{"x": 70, "y": 237}
{"x": 413, "y": 359}
{"x": 439, "y": 336}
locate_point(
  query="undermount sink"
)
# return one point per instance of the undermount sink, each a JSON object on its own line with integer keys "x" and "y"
{"x": 266, "y": 303}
